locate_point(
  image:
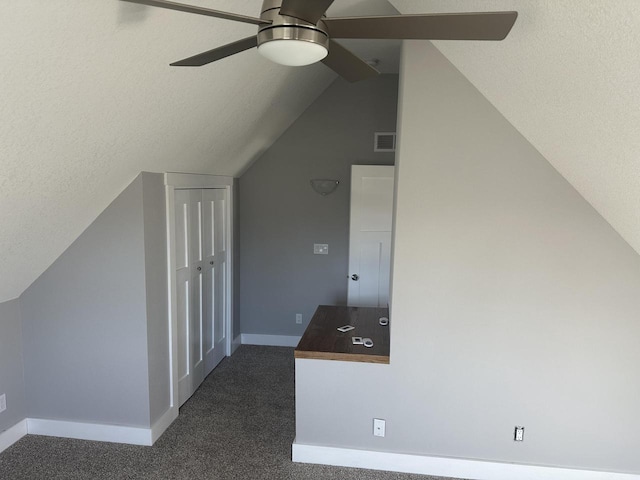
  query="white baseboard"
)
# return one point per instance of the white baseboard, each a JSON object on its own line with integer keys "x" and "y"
{"x": 442, "y": 466}
{"x": 270, "y": 340}
{"x": 12, "y": 435}
{"x": 158, "y": 428}
{"x": 236, "y": 343}
{"x": 90, "y": 431}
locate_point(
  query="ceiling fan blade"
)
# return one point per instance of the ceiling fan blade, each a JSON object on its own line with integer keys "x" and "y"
{"x": 440, "y": 26}
{"x": 199, "y": 10}
{"x": 347, "y": 65}
{"x": 218, "y": 53}
{"x": 308, "y": 10}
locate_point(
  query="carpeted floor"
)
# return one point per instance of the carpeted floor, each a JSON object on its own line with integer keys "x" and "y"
{"x": 238, "y": 425}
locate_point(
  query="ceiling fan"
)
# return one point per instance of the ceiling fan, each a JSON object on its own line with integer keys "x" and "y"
{"x": 297, "y": 32}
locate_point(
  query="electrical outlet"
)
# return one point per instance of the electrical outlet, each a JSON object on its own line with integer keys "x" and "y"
{"x": 518, "y": 434}
{"x": 321, "y": 249}
{"x": 379, "y": 427}
{"x": 298, "y": 318}
{"x": 3, "y": 402}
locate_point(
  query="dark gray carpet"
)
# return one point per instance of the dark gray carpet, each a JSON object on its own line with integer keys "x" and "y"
{"x": 238, "y": 425}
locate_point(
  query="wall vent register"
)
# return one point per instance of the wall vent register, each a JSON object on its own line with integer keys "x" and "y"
{"x": 384, "y": 142}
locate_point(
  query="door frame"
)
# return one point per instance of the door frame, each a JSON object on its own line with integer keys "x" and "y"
{"x": 174, "y": 181}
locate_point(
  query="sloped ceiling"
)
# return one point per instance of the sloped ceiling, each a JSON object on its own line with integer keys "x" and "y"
{"x": 568, "y": 78}
{"x": 89, "y": 100}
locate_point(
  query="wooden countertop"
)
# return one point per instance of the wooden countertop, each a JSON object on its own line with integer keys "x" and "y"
{"x": 322, "y": 341}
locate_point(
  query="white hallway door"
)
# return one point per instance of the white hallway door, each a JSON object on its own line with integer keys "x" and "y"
{"x": 200, "y": 273}
{"x": 372, "y": 189}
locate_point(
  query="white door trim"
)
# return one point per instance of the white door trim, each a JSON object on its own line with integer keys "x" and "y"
{"x": 172, "y": 182}
{"x": 196, "y": 180}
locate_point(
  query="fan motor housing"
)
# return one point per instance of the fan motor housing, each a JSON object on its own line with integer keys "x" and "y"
{"x": 283, "y": 27}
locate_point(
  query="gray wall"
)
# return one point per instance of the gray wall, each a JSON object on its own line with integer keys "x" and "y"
{"x": 11, "y": 365}
{"x": 86, "y": 335}
{"x": 155, "y": 259}
{"x": 514, "y": 302}
{"x": 281, "y": 217}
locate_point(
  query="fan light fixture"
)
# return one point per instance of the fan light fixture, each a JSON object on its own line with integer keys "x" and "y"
{"x": 324, "y": 186}
{"x": 296, "y": 32}
{"x": 293, "y": 53}
{"x": 292, "y": 42}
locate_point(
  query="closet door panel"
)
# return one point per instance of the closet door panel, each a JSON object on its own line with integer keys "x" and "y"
{"x": 183, "y": 291}
{"x": 197, "y": 317}
{"x": 213, "y": 228}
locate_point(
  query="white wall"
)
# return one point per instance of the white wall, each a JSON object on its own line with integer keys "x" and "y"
{"x": 514, "y": 302}
{"x": 11, "y": 365}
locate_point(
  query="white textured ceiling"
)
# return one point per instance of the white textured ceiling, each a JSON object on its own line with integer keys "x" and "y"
{"x": 568, "y": 78}
{"x": 385, "y": 53}
{"x": 88, "y": 100}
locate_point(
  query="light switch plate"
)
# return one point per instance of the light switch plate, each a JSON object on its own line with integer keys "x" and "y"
{"x": 321, "y": 249}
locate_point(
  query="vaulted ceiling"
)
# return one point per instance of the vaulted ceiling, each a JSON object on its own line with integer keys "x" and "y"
{"x": 89, "y": 100}
{"x": 568, "y": 78}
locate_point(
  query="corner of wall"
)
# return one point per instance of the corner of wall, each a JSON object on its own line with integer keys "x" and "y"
{"x": 12, "y": 379}
{"x": 156, "y": 289}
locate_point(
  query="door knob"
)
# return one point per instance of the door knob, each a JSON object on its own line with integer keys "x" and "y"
{"x": 355, "y": 277}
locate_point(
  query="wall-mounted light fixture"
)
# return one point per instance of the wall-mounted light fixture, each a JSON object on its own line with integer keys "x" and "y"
{"x": 324, "y": 186}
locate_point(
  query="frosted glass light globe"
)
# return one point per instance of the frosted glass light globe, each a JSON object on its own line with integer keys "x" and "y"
{"x": 293, "y": 53}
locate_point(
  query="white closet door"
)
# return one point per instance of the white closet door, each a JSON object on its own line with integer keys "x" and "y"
{"x": 183, "y": 291}
{"x": 197, "y": 317}
{"x": 215, "y": 334}
{"x": 188, "y": 225}
{"x": 201, "y": 285}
